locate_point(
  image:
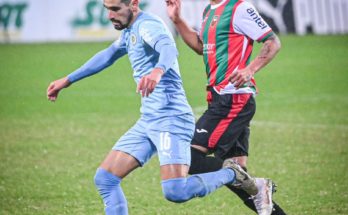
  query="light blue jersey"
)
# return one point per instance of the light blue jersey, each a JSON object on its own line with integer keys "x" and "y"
{"x": 140, "y": 41}
{"x": 167, "y": 123}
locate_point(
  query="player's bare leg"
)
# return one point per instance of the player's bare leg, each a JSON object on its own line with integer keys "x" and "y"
{"x": 241, "y": 160}
{"x": 174, "y": 171}
{"x": 119, "y": 163}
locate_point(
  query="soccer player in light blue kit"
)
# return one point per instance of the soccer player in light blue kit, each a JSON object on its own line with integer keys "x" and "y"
{"x": 166, "y": 125}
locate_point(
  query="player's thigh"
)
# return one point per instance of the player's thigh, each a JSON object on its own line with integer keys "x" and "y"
{"x": 169, "y": 171}
{"x": 205, "y": 127}
{"x": 119, "y": 163}
{"x": 210, "y": 122}
{"x": 238, "y": 149}
{"x": 172, "y": 136}
{"x": 133, "y": 149}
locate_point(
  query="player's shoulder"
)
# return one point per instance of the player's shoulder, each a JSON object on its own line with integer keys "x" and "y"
{"x": 243, "y": 3}
{"x": 148, "y": 20}
{"x": 245, "y": 9}
{"x": 150, "y": 24}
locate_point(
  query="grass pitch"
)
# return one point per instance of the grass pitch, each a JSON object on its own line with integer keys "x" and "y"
{"x": 49, "y": 151}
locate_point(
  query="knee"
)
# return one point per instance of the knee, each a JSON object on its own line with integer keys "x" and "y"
{"x": 174, "y": 190}
{"x": 99, "y": 178}
{"x": 103, "y": 178}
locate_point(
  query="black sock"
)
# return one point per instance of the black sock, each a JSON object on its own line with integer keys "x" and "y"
{"x": 244, "y": 196}
{"x": 277, "y": 210}
{"x": 201, "y": 163}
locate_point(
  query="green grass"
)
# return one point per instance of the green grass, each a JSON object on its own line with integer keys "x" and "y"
{"x": 49, "y": 151}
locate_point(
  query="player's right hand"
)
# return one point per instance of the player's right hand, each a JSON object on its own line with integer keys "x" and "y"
{"x": 173, "y": 9}
{"x": 54, "y": 88}
{"x": 240, "y": 77}
{"x": 148, "y": 82}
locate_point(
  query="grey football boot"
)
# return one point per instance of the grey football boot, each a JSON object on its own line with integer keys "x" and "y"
{"x": 242, "y": 179}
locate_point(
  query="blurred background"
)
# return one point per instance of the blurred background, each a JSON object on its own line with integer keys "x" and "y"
{"x": 86, "y": 20}
{"x": 49, "y": 151}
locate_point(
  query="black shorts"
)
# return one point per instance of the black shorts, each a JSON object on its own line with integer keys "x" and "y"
{"x": 224, "y": 127}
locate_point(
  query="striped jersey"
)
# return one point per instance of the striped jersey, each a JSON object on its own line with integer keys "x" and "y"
{"x": 228, "y": 32}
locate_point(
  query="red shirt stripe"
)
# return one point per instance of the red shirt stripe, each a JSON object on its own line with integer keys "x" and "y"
{"x": 238, "y": 103}
{"x": 212, "y": 40}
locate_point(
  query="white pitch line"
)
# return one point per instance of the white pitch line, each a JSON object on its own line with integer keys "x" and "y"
{"x": 273, "y": 124}
{"x": 198, "y": 111}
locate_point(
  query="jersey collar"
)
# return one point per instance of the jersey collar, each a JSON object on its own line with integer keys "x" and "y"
{"x": 136, "y": 18}
{"x": 214, "y": 6}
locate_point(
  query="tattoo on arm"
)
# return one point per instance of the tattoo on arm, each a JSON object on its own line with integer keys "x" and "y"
{"x": 264, "y": 51}
{"x": 269, "y": 48}
{"x": 268, "y": 51}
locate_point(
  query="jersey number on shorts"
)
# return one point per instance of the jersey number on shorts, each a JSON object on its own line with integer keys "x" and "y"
{"x": 164, "y": 141}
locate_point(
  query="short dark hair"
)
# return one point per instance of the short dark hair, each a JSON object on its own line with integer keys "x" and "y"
{"x": 126, "y": 2}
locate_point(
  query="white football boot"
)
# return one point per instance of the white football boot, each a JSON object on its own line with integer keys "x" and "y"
{"x": 263, "y": 199}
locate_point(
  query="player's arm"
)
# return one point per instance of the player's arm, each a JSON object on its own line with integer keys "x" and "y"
{"x": 154, "y": 35}
{"x": 167, "y": 55}
{"x": 248, "y": 22}
{"x": 188, "y": 34}
{"x": 269, "y": 49}
{"x": 97, "y": 63}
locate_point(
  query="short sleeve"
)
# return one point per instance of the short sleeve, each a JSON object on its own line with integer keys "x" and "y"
{"x": 247, "y": 21}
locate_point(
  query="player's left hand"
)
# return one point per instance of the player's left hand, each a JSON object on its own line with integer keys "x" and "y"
{"x": 148, "y": 82}
{"x": 173, "y": 9}
{"x": 240, "y": 77}
{"x": 55, "y": 87}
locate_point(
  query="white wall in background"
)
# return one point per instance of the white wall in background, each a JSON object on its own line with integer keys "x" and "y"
{"x": 86, "y": 20}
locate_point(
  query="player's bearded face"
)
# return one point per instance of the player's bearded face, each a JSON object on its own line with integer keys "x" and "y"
{"x": 122, "y": 21}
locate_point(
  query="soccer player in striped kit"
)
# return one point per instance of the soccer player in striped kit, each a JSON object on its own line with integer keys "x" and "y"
{"x": 229, "y": 28}
{"x": 166, "y": 124}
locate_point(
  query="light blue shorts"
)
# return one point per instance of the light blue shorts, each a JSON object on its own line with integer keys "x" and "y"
{"x": 169, "y": 136}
